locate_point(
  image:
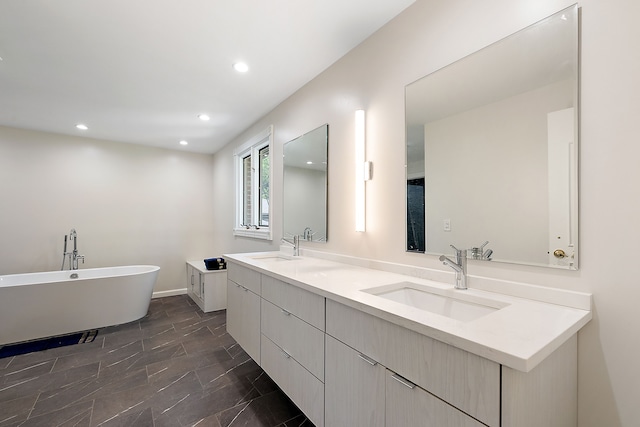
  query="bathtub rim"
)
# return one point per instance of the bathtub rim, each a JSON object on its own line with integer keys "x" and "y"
{"x": 53, "y": 276}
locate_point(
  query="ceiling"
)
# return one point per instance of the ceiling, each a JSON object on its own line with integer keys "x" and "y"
{"x": 141, "y": 71}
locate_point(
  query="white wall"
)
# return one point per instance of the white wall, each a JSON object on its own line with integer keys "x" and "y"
{"x": 129, "y": 204}
{"x": 428, "y": 36}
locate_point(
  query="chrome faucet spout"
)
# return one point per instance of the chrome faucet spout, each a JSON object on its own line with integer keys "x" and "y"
{"x": 451, "y": 263}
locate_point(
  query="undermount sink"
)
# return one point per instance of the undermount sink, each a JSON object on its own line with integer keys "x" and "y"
{"x": 273, "y": 257}
{"x": 437, "y": 301}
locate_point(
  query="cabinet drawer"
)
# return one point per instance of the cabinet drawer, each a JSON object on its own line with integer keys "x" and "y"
{"x": 407, "y": 405}
{"x": 305, "y": 390}
{"x": 304, "y": 304}
{"x": 298, "y": 338}
{"x": 354, "y": 388}
{"x": 467, "y": 381}
{"x": 244, "y": 276}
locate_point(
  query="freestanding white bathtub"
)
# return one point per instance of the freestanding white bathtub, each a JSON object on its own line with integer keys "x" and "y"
{"x": 38, "y": 305}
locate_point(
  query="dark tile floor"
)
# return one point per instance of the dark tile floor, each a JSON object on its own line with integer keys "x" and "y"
{"x": 175, "y": 367}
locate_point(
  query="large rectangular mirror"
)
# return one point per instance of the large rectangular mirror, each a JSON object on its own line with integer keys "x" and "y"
{"x": 305, "y": 185}
{"x": 491, "y": 149}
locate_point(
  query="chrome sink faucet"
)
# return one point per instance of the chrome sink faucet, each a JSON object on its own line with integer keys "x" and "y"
{"x": 295, "y": 242}
{"x": 459, "y": 266}
{"x": 480, "y": 253}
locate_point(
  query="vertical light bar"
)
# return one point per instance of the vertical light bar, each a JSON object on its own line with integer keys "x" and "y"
{"x": 359, "y": 166}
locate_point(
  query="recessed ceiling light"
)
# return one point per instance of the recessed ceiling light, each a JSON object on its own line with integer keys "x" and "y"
{"x": 309, "y": 163}
{"x": 241, "y": 67}
{"x": 81, "y": 126}
{"x": 204, "y": 117}
{"x": 183, "y": 142}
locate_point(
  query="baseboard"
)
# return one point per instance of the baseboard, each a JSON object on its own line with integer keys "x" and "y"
{"x": 170, "y": 293}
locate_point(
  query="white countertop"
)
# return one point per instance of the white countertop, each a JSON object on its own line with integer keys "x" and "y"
{"x": 520, "y": 335}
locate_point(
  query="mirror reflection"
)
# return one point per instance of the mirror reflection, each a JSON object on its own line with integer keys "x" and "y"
{"x": 305, "y": 186}
{"x": 492, "y": 150}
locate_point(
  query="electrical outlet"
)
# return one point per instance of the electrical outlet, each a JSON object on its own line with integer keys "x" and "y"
{"x": 447, "y": 224}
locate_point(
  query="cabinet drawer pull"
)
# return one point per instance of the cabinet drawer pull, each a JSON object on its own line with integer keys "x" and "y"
{"x": 287, "y": 355}
{"x": 405, "y": 382}
{"x": 285, "y": 312}
{"x": 368, "y": 360}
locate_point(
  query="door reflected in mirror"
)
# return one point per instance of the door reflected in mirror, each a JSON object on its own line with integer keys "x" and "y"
{"x": 305, "y": 186}
{"x": 492, "y": 150}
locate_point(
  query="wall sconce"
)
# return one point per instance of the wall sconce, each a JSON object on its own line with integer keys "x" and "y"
{"x": 363, "y": 171}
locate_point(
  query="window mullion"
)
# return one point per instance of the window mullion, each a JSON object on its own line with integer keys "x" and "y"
{"x": 255, "y": 187}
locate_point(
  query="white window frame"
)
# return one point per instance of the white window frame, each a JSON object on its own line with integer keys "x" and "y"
{"x": 252, "y": 147}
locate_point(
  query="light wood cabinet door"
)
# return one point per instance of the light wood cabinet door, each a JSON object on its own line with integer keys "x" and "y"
{"x": 243, "y": 318}
{"x": 354, "y": 387}
{"x": 407, "y": 405}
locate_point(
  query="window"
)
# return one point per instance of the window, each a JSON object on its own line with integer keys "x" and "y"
{"x": 253, "y": 188}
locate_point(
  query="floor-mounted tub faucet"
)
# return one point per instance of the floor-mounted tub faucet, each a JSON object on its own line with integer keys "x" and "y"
{"x": 73, "y": 255}
{"x": 459, "y": 266}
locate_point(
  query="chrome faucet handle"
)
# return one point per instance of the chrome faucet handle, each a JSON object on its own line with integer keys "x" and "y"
{"x": 460, "y": 254}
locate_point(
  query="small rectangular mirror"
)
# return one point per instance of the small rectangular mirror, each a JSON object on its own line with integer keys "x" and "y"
{"x": 305, "y": 186}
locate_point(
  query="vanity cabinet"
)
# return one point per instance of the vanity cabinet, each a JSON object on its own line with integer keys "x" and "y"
{"x": 362, "y": 392}
{"x": 207, "y": 288}
{"x": 292, "y": 326}
{"x": 464, "y": 380}
{"x": 243, "y": 308}
{"x": 282, "y": 328}
{"x": 343, "y": 366}
{"x": 430, "y": 383}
